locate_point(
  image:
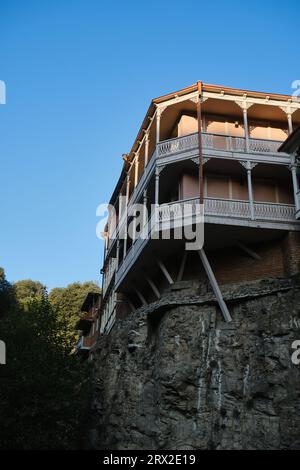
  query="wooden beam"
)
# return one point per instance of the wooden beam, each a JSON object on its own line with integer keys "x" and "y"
{"x": 214, "y": 285}
{"x": 153, "y": 287}
{"x": 248, "y": 250}
{"x": 140, "y": 296}
{"x": 165, "y": 271}
{"x": 182, "y": 266}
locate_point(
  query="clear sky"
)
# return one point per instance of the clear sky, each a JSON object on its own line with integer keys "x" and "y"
{"x": 80, "y": 75}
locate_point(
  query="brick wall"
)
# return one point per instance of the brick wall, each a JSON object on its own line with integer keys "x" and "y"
{"x": 279, "y": 258}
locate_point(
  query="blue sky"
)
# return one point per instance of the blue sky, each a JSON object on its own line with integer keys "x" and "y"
{"x": 80, "y": 75}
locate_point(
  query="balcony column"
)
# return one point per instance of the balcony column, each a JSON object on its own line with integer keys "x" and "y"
{"x": 127, "y": 190}
{"x": 290, "y": 122}
{"x": 245, "y": 105}
{"x": 118, "y": 254}
{"x": 250, "y": 188}
{"x": 136, "y": 170}
{"x": 288, "y": 110}
{"x": 146, "y": 148}
{"x": 125, "y": 243}
{"x": 156, "y": 200}
{"x": 125, "y": 228}
{"x": 158, "y": 116}
{"x": 145, "y": 215}
{"x": 293, "y": 169}
{"x": 159, "y": 112}
{"x": 246, "y": 128}
{"x": 249, "y": 166}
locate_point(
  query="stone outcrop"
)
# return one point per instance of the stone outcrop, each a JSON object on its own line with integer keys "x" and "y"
{"x": 174, "y": 375}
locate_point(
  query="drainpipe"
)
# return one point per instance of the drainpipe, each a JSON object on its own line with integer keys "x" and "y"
{"x": 199, "y": 84}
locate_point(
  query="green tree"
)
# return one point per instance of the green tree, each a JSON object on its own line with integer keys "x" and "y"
{"x": 44, "y": 389}
{"x": 28, "y": 290}
{"x": 7, "y": 295}
{"x": 67, "y": 303}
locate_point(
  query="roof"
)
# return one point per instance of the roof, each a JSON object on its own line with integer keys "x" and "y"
{"x": 292, "y": 143}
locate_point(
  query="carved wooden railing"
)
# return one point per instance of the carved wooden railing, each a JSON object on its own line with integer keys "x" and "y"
{"x": 241, "y": 209}
{"x": 216, "y": 142}
{"x": 109, "y": 272}
{"x": 228, "y": 208}
{"x": 274, "y": 211}
{"x": 179, "y": 209}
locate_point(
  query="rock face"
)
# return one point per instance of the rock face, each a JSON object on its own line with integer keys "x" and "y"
{"x": 174, "y": 375}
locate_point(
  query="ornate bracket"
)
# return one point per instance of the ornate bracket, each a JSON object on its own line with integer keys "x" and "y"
{"x": 160, "y": 110}
{"x": 195, "y": 99}
{"x": 159, "y": 169}
{"x": 244, "y": 104}
{"x": 247, "y": 164}
{"x": 288, "y": 110}
{"x": 196, "y": 160}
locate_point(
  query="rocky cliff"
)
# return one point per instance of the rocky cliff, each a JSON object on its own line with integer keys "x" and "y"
{"x": 174, "y": 375}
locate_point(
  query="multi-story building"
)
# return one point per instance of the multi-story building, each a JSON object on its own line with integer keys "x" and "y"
{"x": 88, "y": 324}
{"x": 221, "y": 147}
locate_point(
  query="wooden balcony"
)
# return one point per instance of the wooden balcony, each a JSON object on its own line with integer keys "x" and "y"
{"x": 216, "y": 211}
{"x": 214, "y": 146}
{"x": 223, "y": 145}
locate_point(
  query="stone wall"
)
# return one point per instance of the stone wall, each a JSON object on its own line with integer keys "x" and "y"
{"x": 174, "y": 375}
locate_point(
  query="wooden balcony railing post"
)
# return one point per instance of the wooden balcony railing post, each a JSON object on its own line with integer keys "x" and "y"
{"x": 293, "y": 169}
{"x": 246, "y": 128}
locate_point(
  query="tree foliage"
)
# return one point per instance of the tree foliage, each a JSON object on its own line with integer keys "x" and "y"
{"x": 28, "y": 290}
{"x": 44, "y": 390}
{"x": 67, "y": 302}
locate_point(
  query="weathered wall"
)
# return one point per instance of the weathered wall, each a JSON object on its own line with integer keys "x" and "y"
{"x": 173, "y": 375}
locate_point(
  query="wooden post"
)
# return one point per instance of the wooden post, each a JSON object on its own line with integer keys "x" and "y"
{"x": 214, "y": 285}
{"x": 246, "y": 128}
{"x": 153, "y": 287}
{"x": 165, "y": 271}
{"x": 146, "y": 148}
{"x": 182, "y": 266}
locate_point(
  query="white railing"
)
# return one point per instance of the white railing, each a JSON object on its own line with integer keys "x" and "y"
{"x": 274, "y": 211}
{"x": 216, "y": 142}
{"x": 228, "y": 208}
{"x": 218, "y": 207}
{"x": 176, "y": 145}
{"x": 241, "y": 209}
{"x": 179, "y": 210}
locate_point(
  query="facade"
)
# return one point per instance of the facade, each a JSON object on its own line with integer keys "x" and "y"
{"x": 88, "y": 324}
{"x": 221, "y": 147}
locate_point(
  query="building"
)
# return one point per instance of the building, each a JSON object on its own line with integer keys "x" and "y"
{"x": 221, "y": 147}
{"x": 88, "y": 324}
{"x": 292, "y": 147}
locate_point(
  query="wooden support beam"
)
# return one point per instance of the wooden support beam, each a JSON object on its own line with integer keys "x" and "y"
{"x": 214, "y": 285}
{"x": 248, "y": 250}
{"x": 182, "y": 266}
{"x": 140, "y": 296}
{"x": 153, "y": 286}
{"x": 165, "y": 271}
